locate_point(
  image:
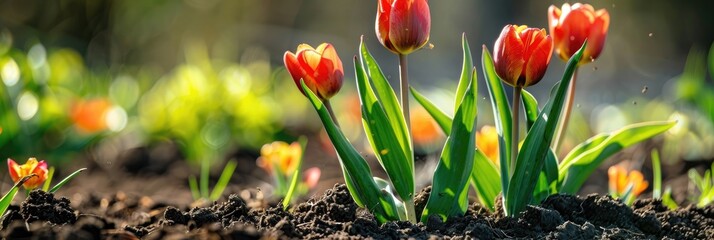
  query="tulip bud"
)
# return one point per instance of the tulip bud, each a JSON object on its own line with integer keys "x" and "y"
{"x": 571, "y": 25}
{"x": 403, "y": 26}
{"x": 522, "y": 55}
{"x": 17, "y": 172}
{"x": 320, "y": 68}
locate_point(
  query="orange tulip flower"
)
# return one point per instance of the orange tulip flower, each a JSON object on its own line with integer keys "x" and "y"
{"x": 403, "y": 26}
{"x": 571, "y": 25}
{"x": 281, "y": 157}
{"x": 320, "y": 68}
{"x": 522, "y": 55}
{"x": 90, "y": 116}
{"x": 425, "y": 130}
{"x": 17, "y": 172}
{"x": 487, "y": 142}
{"x": 620, "y": 180}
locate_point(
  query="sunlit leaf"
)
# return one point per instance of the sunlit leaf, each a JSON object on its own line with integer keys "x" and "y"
{"x": 358, "y": 176}
{"x": 501, "y": 113}
{"x": 384, "y": 124}
{"x": 449, "y": 194}
{"x": 586, "y": 157}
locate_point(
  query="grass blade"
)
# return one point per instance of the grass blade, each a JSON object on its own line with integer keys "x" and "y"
{"x": 657, "y": 172}
{"x": 66, "y": 180}
{"x": 193, "y": 185}
{"x": 223, "y": 180}
{"x": 50, "y": 175}
{"x": 296, "y": 175}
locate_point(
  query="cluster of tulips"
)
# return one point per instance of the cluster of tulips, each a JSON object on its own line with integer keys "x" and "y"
{"x": 520, "y": 175}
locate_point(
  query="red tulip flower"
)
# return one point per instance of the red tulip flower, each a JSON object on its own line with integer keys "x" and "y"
{"x": 17, "y": 172}
{"x": 522, "y": 55}
{"x": 403, "y": 26}
{"x": 320, "y": 68}
{"x": 571, "y": 25}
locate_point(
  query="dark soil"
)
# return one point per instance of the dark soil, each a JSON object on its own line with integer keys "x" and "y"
{"x": 335, "y": 215}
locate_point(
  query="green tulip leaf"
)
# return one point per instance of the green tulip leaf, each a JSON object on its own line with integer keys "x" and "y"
{"x": 501, "y": 113}
{"x": 466, "y": 72}
{"x": 385, "y": 125}
{"x": 449, "y": 194}
{"x": 586, "y": 157}
{"x": 485, "y": 179}
{"x": 443, "y": 120}
{"x": 358, "y": 176}
{"x": 530, "y": 104}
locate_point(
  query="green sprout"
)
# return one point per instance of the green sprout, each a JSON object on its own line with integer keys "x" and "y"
{"x": 705, "y": 186}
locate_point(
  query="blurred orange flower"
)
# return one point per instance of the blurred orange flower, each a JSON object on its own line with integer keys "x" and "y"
{"x": 90, "y": 116}
{"x": 620, "y": 180}
{"x": 280, "y": 156}
{"x": 571, "y": 25}
{"x": 425, "y": 131}
{"x": 17, "y": 172}
{"x": 487, "y": 142}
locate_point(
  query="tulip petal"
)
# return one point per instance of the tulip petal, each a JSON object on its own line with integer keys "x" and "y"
{"x": 293, "y": 66}
{"x": 409, "y": 25}
{"x": 539, "y": 60}
{"x": 554, "y": 14}
{"x": 303, "y": 47}
{"x": 598, "y": 33}
{"x": 508, "y": 56}
{"x": 14, "y": 169}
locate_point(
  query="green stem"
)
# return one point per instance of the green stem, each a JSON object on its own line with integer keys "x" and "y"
{"x": 514, "y": 131}
{"x": 411, "y": 213}
{"x": 404, "y": 89}
{"x": 566, "y": 116}
{"x": 331, "y": 112}
{"x": 205, "y": 171}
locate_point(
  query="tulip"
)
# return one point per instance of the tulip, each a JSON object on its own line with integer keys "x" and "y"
{"x": 403, "y": 26}
{"x": 17, "y": 172}
{"x": 620, "y": 180}
{"x": 571, "y": 25}
{"x": 280, "y": 157}
{"x": 487, "y": 143}
{"x": 522, "y": 55}
{"x": 320, "y": 68}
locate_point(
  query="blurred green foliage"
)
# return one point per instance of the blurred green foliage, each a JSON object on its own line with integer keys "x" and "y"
{"x": 40, "y": 90}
